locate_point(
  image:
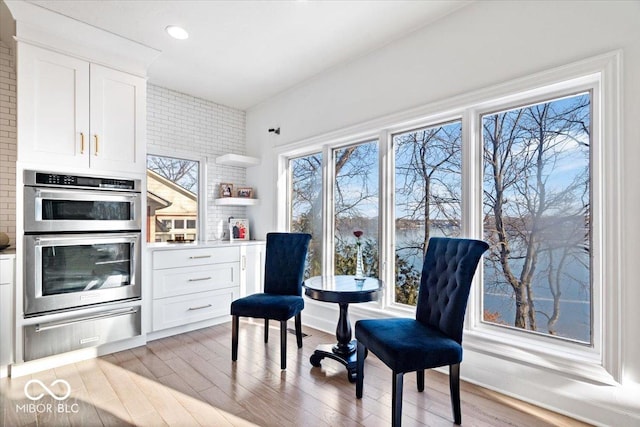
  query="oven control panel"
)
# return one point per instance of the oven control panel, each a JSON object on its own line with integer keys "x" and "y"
{"x": 63, "y": 180}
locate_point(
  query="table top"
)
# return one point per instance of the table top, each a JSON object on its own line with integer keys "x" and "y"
{"x": 342, "y": 289}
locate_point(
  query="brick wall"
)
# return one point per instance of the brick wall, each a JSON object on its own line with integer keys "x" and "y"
{"x": 8, "y": 143}
{"x": 182, "y": 125}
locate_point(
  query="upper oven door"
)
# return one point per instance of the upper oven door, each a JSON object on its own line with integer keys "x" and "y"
{"x": 61, "y": 209}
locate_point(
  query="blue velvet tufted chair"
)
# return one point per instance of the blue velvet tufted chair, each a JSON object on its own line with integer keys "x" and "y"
{"x": 284, "y": 269}
{"x": 434, "y": 337}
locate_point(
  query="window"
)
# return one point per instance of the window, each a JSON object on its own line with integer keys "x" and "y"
{"x": 356, "y": 207}
{"x": 172, "y": 195}
{"x": 305, "y": 203}
{"x": 428, "y": 171}
{"x": 535, "y": 172}
{"x": 537, "y": 275}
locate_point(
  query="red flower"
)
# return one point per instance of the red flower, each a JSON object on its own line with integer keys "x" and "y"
{"x": 358, "y": 233}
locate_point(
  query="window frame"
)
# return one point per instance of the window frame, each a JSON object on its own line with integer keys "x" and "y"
{"x": 530, "y": 339}
{"x": 435, "y": 121}
{"x": 333, "y": 149}
{"x": 601, "y": 76}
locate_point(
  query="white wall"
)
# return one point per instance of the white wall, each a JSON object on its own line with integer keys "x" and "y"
{"x": 482, "y": 45}
{"x": 179, "y": 125}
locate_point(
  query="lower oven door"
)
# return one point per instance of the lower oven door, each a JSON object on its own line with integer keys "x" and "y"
{"x": 64, "y": 272}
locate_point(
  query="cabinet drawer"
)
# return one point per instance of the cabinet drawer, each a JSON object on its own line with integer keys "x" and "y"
{"x": 46, "y": 339}
{"x": 184, "y": 309}
{"x": 6, "y": 271}
{"x": 187, "y": 280}
{"x": 191, "y": 257}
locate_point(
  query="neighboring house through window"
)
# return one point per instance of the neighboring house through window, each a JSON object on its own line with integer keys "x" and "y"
{"x": 172, "y": 199}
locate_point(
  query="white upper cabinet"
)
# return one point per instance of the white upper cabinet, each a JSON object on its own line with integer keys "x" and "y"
{"x": 78, "y": 114}
{"x": 53, "y": 106}
{"x": 118, "y": 103}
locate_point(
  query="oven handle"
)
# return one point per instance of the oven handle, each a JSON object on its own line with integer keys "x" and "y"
{"x": 86, "y": 194}
{"x": 101, "y": 315}
{"x": 92, "y": 237}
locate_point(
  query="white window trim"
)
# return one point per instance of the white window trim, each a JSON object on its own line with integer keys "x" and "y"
{"x": 602, "y": 363}
{"x": 603, "y": 73}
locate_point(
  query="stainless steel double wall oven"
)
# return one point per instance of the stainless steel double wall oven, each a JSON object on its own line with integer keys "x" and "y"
{"x": 82, "y": 250}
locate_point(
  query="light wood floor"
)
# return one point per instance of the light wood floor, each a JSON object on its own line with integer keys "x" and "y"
{"x": 189, "y": 380}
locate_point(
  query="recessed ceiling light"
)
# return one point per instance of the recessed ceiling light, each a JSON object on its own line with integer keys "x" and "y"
{"x": 177, "y": 32}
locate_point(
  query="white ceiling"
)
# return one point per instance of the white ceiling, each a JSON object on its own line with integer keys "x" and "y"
{"x": 240, "y": 53}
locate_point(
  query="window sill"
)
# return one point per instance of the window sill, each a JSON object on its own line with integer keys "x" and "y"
{"x": 511, "y": 348}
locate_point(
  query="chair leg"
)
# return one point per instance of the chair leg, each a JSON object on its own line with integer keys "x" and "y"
{"x": 235, "y": 320}
{"x": 454, "y": 388}
{"x": 420, "y": 379}
{"x": 360, "y": 369}
{"x": 266, "y": 330}
{"x": 396, "y": 400}
{"x": 299, "y": 329}
{"x": 283, "y": 344}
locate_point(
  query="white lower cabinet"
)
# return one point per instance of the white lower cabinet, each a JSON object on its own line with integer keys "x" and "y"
{"x": 6, "y": 312}
{"x": 253, "y": 257}
{"x": 194, "y": 285}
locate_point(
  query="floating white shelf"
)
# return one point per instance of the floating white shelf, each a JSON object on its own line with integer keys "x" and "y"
{"x": 236, "y": 201}
{"x": 237, "y": 160}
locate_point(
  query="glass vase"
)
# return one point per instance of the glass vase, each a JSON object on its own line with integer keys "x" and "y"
{"x": 359, "y": 264}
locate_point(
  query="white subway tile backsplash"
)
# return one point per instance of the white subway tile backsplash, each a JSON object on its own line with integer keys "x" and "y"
{"x": 179, "y": 123}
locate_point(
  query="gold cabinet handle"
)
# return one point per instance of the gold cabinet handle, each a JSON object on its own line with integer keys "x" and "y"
{"x": 97, "y": 144}
{"x": 81, "y": 142}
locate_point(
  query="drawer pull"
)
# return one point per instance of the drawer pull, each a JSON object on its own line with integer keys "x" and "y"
{"x": 200, "y": 279}
{"x": 199, "y": 308}
{"x": 199, "y": 256}
{"x": 101, "y": 315}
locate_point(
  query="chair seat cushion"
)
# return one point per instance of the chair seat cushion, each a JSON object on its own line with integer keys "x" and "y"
{"x": 406, "y": 345}
{"x": 268, "y": 306}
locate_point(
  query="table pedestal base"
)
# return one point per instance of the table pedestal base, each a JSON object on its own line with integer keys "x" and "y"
{"x": 348, "y": 359}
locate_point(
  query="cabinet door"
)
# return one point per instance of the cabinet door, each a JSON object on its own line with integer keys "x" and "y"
{"x": 253, "y": 268}
{"x": 118, "y": 122}
{"x": 53, "y": 107}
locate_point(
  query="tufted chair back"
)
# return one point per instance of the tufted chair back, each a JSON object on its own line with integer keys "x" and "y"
{"x": 284, "y": 263}
{"x": 447, "y": 272}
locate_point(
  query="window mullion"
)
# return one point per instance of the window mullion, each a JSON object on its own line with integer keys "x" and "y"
{"x": 328, "y": 219}
{"x": 472, "y": 203}
{"x": 387, "y": 217}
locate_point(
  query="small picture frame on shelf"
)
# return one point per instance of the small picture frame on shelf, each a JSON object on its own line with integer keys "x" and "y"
{"x": 245, "y": 192}
{"x": 238, "y": 229}
{"x": 226, "y": 189}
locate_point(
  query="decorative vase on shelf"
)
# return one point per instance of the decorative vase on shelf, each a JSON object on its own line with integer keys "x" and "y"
{"x": 359, "y": 264}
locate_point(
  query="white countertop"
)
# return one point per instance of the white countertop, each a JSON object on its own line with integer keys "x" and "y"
{"x": 8, "y": 253}
{"x": 207, "y": 244}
